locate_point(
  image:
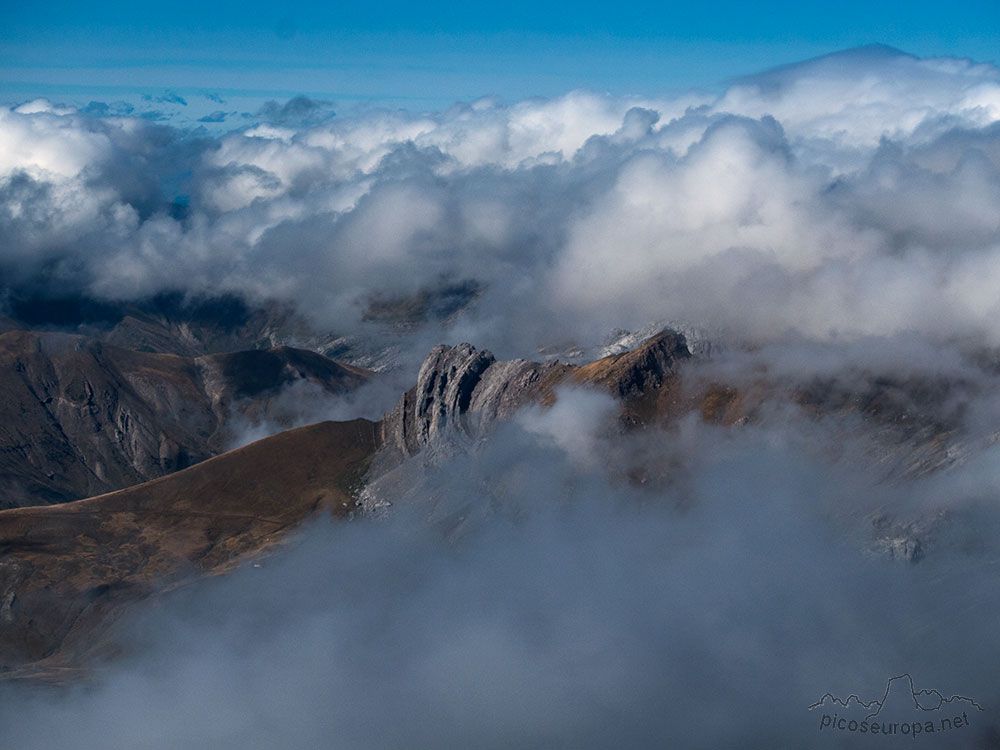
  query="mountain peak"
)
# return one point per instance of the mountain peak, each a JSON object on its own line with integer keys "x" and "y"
{"x": 863, "y": 57}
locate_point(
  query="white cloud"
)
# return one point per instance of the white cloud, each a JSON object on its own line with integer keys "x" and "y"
{"x": 47, "y": 142}
{"x": 858, "y": 193}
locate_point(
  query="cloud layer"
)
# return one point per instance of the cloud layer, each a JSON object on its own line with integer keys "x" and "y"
{"x": 857, "y": 194}
{"x": 521, "y": 596}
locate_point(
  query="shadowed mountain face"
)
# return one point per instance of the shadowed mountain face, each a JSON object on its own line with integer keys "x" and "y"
{"x": 168, "y": 322}
{"x": 192, "y": 326}
{"x": 79, "y": 417}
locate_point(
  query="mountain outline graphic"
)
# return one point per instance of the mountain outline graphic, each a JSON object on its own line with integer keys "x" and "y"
{"x": 935, "y": 697}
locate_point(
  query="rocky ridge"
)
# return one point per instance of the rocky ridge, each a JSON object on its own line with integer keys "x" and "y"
{"x": 463, "y": 390}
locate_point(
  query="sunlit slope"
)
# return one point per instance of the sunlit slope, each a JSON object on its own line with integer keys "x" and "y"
{"x": 65, "y": 568}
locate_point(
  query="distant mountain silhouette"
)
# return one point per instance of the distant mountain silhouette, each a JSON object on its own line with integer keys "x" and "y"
{"x": 865, "y": 57}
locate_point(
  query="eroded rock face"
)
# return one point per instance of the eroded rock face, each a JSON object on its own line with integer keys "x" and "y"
{"x": 463, "y": 389}
{"x": 79, "y": 417}
{"x": 467, "y": 389}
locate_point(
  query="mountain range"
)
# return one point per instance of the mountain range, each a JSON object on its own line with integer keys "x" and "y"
{"x": 142, "y": 437}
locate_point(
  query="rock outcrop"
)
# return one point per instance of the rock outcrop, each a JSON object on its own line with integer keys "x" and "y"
{"x": 638, "y": 373}
{"x": 465, "y": 390}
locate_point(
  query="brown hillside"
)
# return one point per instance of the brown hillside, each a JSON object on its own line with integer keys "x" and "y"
{"x": 66, "y": 568}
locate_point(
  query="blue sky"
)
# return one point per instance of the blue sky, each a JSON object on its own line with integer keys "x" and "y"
{"x": 430, "y": 54}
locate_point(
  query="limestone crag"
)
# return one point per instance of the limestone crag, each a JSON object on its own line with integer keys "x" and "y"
{"x": 640, "y": 372}
{"x": 463, "y": 389}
